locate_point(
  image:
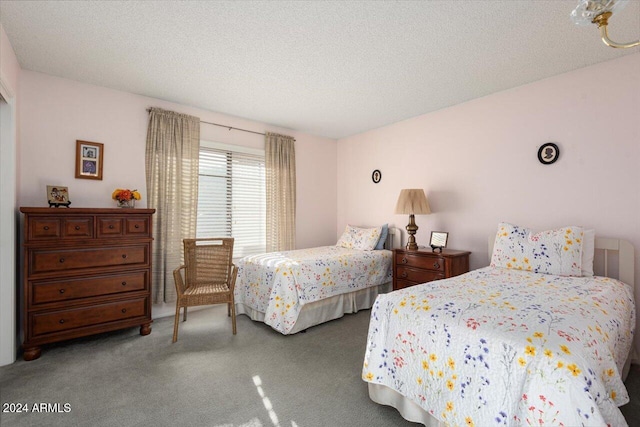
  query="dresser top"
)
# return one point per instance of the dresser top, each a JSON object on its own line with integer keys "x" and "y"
{"x": 428, "y": 251}
{"x": 84, "y": 211}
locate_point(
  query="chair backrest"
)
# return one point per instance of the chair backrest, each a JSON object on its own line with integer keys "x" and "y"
{"x": 208, "y": 260}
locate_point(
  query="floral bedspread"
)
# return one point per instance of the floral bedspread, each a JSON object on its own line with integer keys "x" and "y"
{"x": 280, "y": 283}
{"x": 504, "y": 347}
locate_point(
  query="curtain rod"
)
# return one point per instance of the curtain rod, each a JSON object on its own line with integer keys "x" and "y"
{"x": 225, "y": 126}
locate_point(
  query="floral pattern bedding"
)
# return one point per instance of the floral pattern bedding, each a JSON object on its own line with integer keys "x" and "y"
{"x": 279, "y": 284}
{"x": 500, "y": 347}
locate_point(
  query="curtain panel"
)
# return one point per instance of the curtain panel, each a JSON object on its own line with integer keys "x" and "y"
{"x": 280, "y": 176}
{"x": 172, "y": 157}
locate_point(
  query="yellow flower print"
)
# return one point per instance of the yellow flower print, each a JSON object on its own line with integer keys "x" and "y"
{"x": 395, "y": 311}
{"x": 449, "y": 406}
{"x": 565, "y": 248}
{"x": 440, "y": 374}
{"x": 526, "y": 260}
{"x": 548, "y": 352}
{"x": 469, "y": 422}
{"x": 574, "y": 369}
{"x": 529, "y": 340}
{"x": 425, "y": 365}
{"x": 610, "y": 372}
{"x": 450, "y": 385}
{"x": 403, "y": 303}
{"x": 538, "y": 334}
{"x": 613, "y": 394}
{"x": 568, "y": 231}
{"x": 530, "y": 351}
{"x": 451, "y": 363}
{"x": 560, "y": 364}
{"x": 509, "y": 265}
{"x": 569, "y": 242}
{"x": 369, "y": 376}
{"x": 433, "y": 357}
{"x": 419, "y": 380}
{"x": 565, "y": 349}
{"x": 514, "y": 259}
{"x": 522, "y": 362}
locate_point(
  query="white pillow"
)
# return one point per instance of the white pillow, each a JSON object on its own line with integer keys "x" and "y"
{"x": 588, "y": 250}
{"x": 364, "y": 239}
{"x": 556, "y": 252}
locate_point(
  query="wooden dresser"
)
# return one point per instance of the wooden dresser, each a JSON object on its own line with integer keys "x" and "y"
{"x": 86, "y": 271}
{"x": 423, "y": 265}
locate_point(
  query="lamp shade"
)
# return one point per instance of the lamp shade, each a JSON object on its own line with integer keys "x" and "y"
{"x": 412, "y": 201}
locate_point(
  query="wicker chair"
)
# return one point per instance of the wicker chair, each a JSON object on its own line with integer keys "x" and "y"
{"x": 209, "y": 277}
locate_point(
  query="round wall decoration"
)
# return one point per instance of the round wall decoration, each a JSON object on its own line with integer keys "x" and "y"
{"x": 548, "y": 153}
{"x": 376, "y": 176}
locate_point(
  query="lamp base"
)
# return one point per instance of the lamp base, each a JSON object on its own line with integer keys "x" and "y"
{"x": 412, "y": 228}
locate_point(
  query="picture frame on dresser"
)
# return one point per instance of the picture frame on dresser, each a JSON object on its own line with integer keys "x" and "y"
{"x": 86, "y": 271}
{"x": 89, "y": 159}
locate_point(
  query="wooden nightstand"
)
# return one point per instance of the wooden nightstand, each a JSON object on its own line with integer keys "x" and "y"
{"x": 415, "y": 267}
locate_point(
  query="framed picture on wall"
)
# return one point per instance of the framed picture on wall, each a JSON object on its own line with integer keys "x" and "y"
{"x": 89, "y": 156}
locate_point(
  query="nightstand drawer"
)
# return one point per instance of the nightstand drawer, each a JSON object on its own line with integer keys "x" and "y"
{"x": 434, "y": 263}
{"x": 417, "y": 275}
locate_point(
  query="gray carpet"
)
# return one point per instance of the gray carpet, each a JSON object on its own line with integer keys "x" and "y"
{"x": 209, "y": 378}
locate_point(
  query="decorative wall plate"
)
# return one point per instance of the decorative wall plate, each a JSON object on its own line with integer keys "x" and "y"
{"x": 548, "y": 153}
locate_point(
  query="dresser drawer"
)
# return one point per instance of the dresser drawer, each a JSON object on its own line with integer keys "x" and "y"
{"x": 43, "y": 292}
{"x": 417, "y": 275}
{"x": 429, "y": 262}
{"x": 45, "y": 228}
{"x": 43, "y": 261}
{"x": 110, "y": 227}
{"x": 64, "y": 320}
{"x": 137, "y": 226}
{"x": 77, "y": 227}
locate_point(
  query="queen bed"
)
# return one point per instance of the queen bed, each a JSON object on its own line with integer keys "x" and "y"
{"x": 294, "y": 290}
{"x": 532, "y": 339}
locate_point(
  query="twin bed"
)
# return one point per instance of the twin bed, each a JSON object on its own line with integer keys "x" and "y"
{"x": 294, "y": 290}
{"x": 506, "y": 345}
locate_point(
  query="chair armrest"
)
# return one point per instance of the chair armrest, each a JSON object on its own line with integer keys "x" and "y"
{"x": 177, "y": 278}
{"x": 232, "y": 277}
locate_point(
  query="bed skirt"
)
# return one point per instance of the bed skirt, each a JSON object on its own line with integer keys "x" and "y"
{"x": 328, "y": 309}
{"x": 409, "y": 410}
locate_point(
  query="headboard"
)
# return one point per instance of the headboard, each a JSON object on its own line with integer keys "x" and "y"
{"x": 394, "y": 239}
{"x": 607, "y": 249}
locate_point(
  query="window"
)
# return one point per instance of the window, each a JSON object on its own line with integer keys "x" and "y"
{"x": 231, "y": 197}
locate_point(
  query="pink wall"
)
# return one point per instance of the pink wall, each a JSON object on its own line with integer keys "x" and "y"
{"x": 9, "y": 67}
{"x": 55, "y": 112}
{"x": 478, "y": 162}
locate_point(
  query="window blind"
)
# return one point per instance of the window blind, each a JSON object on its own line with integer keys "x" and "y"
{"x": 231, "y": 198}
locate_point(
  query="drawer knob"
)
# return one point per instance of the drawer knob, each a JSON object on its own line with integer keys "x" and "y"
{"x": 136, "y": 226}
{"x": 61, "y": 321}
{"x": 61, "y": 260}
{"x": 62, "y": 291}
{"x": 77, "y": 227}
{"x": 124, "y": 310}
{"x": 124, "y": 283}
{"x": 46, "y": 227}
{"x": 404, "y": 260}
{"x": 111, "y": 227}
{"x": 436, "y": 265}
{"x": 404, "y": 274}
{"x": 124, "y": 256}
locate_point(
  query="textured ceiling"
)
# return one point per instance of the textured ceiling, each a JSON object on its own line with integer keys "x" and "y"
{"x": 332, "y": 69}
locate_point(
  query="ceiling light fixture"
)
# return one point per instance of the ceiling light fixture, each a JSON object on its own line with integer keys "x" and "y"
{"x": 598, "y": 12}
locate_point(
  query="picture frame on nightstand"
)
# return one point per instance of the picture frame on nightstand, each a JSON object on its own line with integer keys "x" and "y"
{"x": 438, "y": 240}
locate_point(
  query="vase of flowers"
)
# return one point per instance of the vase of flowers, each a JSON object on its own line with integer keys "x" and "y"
{"x": 125, "y": 198}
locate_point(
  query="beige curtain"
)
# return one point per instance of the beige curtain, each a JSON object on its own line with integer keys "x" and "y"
{"x": 172, "y": 157}
{"x": 280, "y": 165}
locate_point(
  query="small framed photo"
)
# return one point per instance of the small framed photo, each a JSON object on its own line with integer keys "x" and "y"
{"x": 58, "y": 195}
{"x": 548, "y": 153}
{"x": 438, "y": 240}
{"x": 89, "y": 156}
